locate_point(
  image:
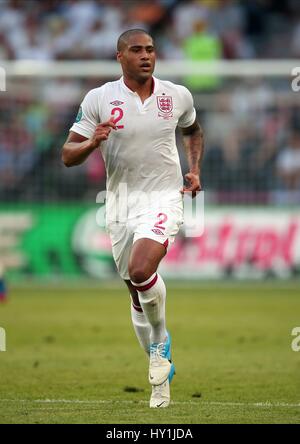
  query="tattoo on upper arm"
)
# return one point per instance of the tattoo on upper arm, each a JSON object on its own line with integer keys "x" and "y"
{"x": 192, "y": 129}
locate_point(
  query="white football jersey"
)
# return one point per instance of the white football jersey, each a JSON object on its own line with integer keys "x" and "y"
{"x": 141, "y": 154}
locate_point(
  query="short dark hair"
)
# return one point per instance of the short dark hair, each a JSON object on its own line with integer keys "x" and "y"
{"x": 123, "y": 39}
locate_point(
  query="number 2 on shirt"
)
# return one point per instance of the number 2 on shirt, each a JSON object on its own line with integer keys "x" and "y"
{"x": 119, "y": 113}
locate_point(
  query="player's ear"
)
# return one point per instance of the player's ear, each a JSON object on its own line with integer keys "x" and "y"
{"x": 119, "y": 55}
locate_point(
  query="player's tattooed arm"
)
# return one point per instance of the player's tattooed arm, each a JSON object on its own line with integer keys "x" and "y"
{"x": 193, "y": 141}
{"x": 77, "y": 148}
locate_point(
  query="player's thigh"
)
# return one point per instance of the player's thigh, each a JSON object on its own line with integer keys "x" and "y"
{"x": 144, "y": 259}
{"x": 152, "y": 235}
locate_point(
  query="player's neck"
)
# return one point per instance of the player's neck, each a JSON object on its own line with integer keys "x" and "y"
{"x": 144, "y": 90}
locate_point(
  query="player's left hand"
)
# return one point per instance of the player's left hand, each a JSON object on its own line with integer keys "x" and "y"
{"x": 193, "y": 184}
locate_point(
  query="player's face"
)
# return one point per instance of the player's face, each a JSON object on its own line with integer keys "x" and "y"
{"x": 138, "y": 57}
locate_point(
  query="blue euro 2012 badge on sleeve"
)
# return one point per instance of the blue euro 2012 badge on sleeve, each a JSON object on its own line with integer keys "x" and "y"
{"x": 79, "y": 115}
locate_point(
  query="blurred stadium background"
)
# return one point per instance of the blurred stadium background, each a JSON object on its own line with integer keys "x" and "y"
{"x": 54, "y": 51}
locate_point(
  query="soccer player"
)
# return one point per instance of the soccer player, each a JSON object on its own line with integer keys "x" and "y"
{"x": 133, "y": 121}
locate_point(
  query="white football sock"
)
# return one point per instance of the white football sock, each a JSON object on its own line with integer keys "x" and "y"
{"x": 152, "y": 297}
{"x": 141, "y": 327}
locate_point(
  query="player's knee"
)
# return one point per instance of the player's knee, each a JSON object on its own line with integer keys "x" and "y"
{"x": 138, "y": 274}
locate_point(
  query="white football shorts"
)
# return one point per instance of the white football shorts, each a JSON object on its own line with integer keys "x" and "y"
{"x": 160, "y": 225}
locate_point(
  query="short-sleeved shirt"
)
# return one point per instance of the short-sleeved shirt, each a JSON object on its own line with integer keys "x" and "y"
{"x": 141, "y": 155}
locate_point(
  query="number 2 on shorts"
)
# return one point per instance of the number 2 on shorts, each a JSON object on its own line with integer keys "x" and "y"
{"x": 162, "y": 218}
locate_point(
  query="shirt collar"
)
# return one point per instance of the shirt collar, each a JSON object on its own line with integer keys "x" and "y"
{"x": 155, "y": 85}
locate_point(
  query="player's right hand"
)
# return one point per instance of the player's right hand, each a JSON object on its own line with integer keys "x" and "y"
{"x": 102, "y": 132}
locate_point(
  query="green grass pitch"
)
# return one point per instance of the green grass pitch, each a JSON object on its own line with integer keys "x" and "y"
{"x": 72, "y": 356}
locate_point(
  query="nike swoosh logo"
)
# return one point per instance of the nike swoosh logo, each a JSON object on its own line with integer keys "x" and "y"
{"x": 160, "y": 404}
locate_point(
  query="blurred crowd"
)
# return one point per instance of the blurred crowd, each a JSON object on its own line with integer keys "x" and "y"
{"x": 252, "y": 127}
{"x": 88, "y": 29}
{"x": 252, "y": 133}
{"x": 253, "y": 139}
